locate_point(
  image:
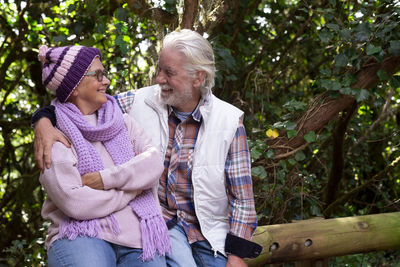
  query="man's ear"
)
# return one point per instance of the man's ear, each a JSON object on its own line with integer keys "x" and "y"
{"x": 199, "y": 78}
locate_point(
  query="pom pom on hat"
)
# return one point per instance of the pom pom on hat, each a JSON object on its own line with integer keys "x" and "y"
{"x": 42, "y": 53}
{"x": 64, "y": 67}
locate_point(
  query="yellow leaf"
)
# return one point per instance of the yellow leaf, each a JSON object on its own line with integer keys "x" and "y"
{"x": 272, "y": 133}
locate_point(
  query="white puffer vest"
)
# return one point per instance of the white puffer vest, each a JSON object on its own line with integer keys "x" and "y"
{"x": 220, "y": 122}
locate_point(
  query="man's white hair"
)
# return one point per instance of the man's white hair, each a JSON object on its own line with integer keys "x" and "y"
{"x": 198, "y": 52}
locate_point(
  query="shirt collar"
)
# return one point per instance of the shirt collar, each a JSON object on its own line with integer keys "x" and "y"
{"x": 196, "y": 114}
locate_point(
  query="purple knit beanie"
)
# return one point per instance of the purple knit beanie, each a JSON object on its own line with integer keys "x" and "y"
{"x": 64, "y": 67}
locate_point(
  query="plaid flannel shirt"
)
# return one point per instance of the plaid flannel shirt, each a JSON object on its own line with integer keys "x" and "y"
{"x": 177, "y": 200}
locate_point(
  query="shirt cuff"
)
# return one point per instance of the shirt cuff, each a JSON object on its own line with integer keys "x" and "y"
{"x": 47, "y": 111}
{"x": 241, "y": 247}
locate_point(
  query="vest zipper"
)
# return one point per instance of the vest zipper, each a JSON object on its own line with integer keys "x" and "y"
{"x": 215, "y": 252}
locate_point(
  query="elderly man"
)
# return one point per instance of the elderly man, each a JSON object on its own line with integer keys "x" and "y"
{"x": 205, "y": 190}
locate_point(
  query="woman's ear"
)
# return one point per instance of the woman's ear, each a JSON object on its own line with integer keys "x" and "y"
{"x": 199, "y": 78}
{"x": 74, "y": 93}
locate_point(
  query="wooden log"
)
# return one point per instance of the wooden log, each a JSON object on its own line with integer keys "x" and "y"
{"x": 323, "y": 238}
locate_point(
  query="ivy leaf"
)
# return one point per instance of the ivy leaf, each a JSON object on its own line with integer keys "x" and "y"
{"x": 310, "y": 137}
{"x": 121, "y": 14}
{"x": 259, "y": 172}
{"x": 333, "y": 27}
{"x": 394, "y": 48}
{"x": 331, "y": 85}
{"x": 71, "y": 8}
{"x": 345, "y": 90}
{"x": 255, "y": 153}
{"x": 270, "y": 154}
{"x": 293, "y": 105}
{"x": 345, "y": 34}
{"x": 371, "y": 49}
{"x": 325, "y": 36}
{"x": 289, "y": 125}
{"x": 279, "y": 125}
{"x": 226, "y": 55}
{"x": 60, "y": 38}
{"x": 300, "y": 156}
{"x": 361, "y": 95}
{"x": 395, "y": 81}
{"x": 341, "y": 61}
{"x": 119, "y": 41}
{"x": 291, "y": 133}
{"x": 383, "y": 76}
{"x": 349, "y": 79}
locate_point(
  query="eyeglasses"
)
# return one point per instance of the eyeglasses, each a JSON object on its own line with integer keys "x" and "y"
{"x": 98, "y": 73}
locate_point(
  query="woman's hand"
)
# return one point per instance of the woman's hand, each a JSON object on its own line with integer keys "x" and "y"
{"x": 93, "y": 180}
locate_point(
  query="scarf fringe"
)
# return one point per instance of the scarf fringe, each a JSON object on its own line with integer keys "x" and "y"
{"x": 72, "y": 228}
{"x": 154, "y": 237}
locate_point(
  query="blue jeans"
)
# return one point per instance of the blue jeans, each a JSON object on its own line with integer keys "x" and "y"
{"x": 88, "y": 251}
{"x": 198, "y": 254}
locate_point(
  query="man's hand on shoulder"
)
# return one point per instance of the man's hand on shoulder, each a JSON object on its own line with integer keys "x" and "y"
{"x": 235, "y": 261}
{"x": 45, "y": 136}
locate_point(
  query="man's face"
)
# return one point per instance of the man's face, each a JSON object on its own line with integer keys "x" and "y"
{"x": 178, "y": 88}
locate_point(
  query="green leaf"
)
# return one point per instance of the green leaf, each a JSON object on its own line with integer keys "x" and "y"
{"x": 255, "y": 153}
{"x": 60, "y": 38}
{"x": 71, "y": 8}
{"x": 383, "y": 76}
{"x": 333, "y": 27}
{"x": 121, "y": 14}
{"x": 293, "y": 105}
{"x": 289, "y": 125}
{"x": 394, "y": 48}
{"x": 345, "y": 34}
{"x": 299, "y": 156}
{"x": 310, "y": 137}
{"x": 349, "y": 79}
{"x": 330, "y": 85}
{"x": 371, "y": 49}
{"x": 395, "y": 81}
{"x": 361, "y": 95}
{"x": 325, "y": 36}
{"x": 279, "y": 125}
{"x": 258, "y": 172}
{"x": 78, "y": 28}
{"x": 341, "y": 61}
{"x": 270, "y": 154}
{"x": 291, "y": 133}
{"x": 345, "y": 90}
{"x": 281, "y": 175}
{"x": 101, "y": 28}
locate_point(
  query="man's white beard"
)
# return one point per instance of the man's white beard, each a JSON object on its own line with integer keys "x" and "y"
{"x": 175, "y": 99}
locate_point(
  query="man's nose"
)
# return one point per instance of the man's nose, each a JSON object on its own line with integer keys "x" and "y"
{"x": 160, "y": 78}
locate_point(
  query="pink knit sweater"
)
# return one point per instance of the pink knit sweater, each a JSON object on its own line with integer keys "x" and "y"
{"x": 67, "y": 197}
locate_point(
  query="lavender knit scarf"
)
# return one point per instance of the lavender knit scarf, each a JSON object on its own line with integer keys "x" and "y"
{"x": 110, "y": 130}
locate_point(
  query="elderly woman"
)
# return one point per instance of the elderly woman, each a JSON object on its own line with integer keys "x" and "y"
{"x": 117, "y": 222}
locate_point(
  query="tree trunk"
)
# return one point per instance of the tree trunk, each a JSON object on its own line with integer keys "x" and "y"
{"x": 324, "y": 108}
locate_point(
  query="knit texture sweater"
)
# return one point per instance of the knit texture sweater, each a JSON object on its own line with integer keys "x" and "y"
{"x": 68, "y": 198}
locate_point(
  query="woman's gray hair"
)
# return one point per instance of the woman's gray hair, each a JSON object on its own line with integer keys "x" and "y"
{"x": 198, "y": 52}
